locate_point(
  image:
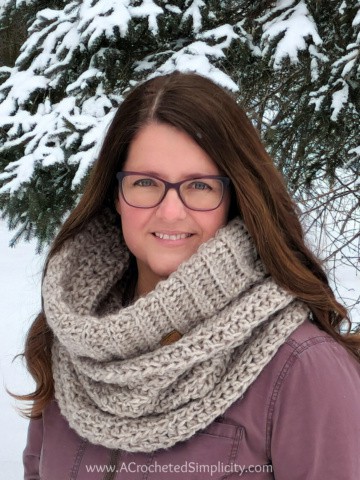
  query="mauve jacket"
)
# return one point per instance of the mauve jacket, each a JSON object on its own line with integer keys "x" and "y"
{"x": 299, "y": 420}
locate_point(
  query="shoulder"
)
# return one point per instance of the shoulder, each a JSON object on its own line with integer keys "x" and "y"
{"x": 306, "y": 335}
{"x": 309, "y": 345}
{"x": 315, "y": 379}
{"x": 314, "y": 409}
{"x": 306, "y": 366}
{"x": 302, "y": 406}
{"x": 311, "y": 361}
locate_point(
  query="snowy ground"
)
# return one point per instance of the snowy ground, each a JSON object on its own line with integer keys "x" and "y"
{"x": 20, "y": 275}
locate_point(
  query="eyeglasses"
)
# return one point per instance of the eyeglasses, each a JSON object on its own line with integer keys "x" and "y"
{"x": 141, "y": 190}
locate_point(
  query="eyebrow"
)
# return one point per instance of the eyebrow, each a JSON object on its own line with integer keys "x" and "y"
{"x": 186, "y": 177}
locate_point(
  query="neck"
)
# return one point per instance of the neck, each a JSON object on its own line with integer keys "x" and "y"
{"x": 146, "y": 282}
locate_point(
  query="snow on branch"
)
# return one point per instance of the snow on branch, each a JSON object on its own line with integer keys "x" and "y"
{"x": 80, "y": 58}
{"x": 16, "y": 91}
{"x": 292, "y": 22}
{"x": 339, "y": 98}
{"x": 148, "y": 9}
{"x": 344, "y": 73}
{"x": 194, "y": 11}
{"x": 198, "y": 56}
{"x": 99, "y": 17}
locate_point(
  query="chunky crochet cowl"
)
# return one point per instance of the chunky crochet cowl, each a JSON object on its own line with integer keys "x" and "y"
{"x": 116, "y": 381}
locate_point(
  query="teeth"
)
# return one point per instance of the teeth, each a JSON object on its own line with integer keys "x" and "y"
{"x": 165, "y": 236}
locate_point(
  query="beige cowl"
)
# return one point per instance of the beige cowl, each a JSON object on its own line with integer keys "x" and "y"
{"x": 115, "y": 381}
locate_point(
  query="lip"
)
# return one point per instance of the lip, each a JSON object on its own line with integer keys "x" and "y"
{"x": 169, "y": 232}
{"x": 172, "y": 243}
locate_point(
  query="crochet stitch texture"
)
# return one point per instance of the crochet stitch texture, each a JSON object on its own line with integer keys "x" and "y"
{"x": 115, "y": 383}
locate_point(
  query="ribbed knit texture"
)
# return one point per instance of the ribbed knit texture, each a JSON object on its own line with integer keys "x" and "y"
{"x": 114, "y": 382}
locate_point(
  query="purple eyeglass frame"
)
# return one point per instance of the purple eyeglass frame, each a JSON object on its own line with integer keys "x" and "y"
{"x": 168, "y": 185}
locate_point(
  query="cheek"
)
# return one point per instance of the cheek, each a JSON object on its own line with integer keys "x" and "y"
{"x": 133, "y": 221}
{"x": 211, "y": 223}
{"x": 221, "y": 215}
{"x": 128, "y": 216}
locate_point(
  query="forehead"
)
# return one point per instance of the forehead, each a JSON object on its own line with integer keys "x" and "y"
{"x": 168, "y": 152}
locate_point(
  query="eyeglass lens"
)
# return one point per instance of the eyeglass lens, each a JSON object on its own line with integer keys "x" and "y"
{"x": 197, "y": 194}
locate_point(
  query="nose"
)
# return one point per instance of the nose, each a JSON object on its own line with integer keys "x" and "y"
{"x": 171, "y": 207}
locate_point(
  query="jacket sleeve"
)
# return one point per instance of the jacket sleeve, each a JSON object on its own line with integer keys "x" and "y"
{"x": 316, "y": 415}
{"x": 32, "y": 452}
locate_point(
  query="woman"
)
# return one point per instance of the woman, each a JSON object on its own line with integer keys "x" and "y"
{"x": 187, "y": 331}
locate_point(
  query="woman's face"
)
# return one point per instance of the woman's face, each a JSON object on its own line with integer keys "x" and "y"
{"x": 164, "y": 151}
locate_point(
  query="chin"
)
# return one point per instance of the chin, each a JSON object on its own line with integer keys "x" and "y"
{"x": 167, "y": 270}
{"x": 164, "y": 273}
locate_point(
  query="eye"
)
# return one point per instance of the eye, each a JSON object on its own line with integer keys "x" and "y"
{"x": 197, "y": 185}
{"x": 145, "y": 182}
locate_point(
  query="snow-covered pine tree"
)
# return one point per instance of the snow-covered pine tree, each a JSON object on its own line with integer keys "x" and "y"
{"x": 293, "y": 63}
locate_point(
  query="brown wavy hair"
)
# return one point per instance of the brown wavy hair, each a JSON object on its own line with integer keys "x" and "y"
{"x": 212, "y": 117}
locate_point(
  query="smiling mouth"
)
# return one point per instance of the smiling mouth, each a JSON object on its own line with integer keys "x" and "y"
{"x": 179, "y": 236}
